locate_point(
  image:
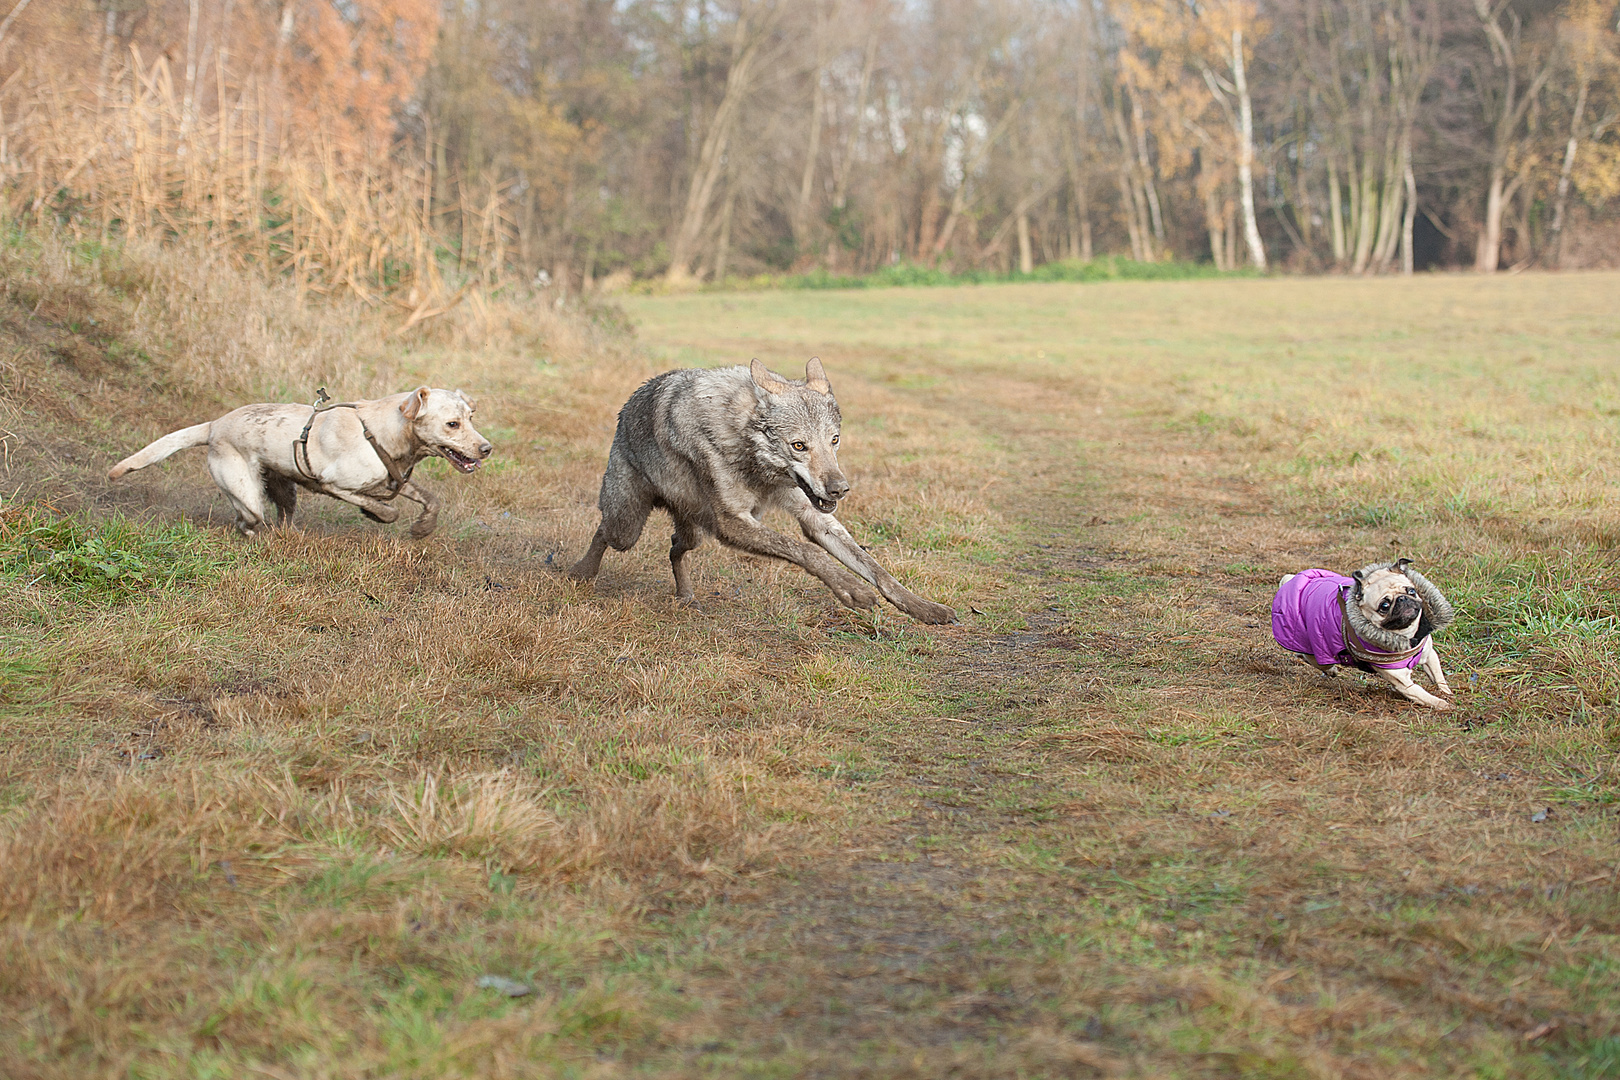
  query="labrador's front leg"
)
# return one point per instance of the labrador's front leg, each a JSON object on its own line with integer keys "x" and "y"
{"x": 428, "y": 520}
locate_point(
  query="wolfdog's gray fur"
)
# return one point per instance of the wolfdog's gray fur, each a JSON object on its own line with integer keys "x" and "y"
{"x": 717, "y": 447}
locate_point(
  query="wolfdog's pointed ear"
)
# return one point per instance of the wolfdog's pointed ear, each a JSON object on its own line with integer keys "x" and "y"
{"x": 414, "y": 403}
{"x": 815, "y": 376}
{"x": 467, "y": 401}
{"x": 766, "y": 379}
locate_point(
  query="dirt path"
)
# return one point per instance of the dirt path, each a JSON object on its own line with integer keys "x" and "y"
{"x": 920, "y": 951}
{"x": 1132, "y": 805}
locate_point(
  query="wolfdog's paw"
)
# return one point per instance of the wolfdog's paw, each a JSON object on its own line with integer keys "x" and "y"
{"x": 926, "y": 611}
{"x": 851, "y": 590}
{"x": 423, "y": 527}
{"x": 385, "y": 514}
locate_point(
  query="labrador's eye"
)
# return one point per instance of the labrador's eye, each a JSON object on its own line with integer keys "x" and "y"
{"x": 800, "y": 447}
{"x": 453, "y": 424}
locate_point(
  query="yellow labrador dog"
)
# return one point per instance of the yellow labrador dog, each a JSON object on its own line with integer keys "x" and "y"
{"x": 361, "y": 452}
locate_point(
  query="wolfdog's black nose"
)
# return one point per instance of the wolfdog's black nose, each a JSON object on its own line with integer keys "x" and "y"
{"x": 837, "y": 487}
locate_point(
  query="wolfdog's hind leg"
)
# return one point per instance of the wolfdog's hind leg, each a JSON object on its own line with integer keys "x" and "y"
{"x": 686, "y": 538}
{"x": 624, "y": 514}
{"x": 591, "y": 562}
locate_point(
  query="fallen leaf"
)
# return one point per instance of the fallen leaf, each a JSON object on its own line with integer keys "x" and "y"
{"x": 1542, "y": 1030}
{"x": 509, "y": 987}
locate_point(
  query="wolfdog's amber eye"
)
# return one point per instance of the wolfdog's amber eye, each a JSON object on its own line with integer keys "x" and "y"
{"x": 800, "y": 447}
{"x": 835, "y": 440}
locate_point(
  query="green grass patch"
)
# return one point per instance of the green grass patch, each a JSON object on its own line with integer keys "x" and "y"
{"x": 1107, "y": 268}
{"x": 105, "y": 561}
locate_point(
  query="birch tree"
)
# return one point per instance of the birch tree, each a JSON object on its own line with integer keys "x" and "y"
{"x": 1520, "y": 65}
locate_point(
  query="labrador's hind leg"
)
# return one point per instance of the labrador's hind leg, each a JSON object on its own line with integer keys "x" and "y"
{"x": 284, "y": 494}
{"x": 243, "y": 484}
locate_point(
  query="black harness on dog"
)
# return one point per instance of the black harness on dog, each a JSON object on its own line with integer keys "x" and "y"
{"x": 396, "y": 477}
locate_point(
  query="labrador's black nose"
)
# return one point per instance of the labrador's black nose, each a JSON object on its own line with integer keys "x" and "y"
{"x": 485, "y": 450}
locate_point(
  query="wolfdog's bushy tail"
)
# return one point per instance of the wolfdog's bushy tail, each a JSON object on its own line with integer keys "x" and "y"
{"x": 173, "y": 442}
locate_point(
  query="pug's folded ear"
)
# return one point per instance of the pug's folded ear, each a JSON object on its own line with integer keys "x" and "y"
{"x": 1401, "y": 565}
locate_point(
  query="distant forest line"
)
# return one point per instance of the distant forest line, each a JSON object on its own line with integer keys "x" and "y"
{"x": 411, "y": 150}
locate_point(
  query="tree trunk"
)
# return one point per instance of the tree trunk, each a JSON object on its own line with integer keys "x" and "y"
{"x": 1336, "y": 210}
{"x": 722, "y": 247}
{"x": 1133, "y": 203}
{"x": 1251, "y": 228}
{"x": 711, "y": 158}
{"x": 1026, "y": 258}
{"x": 801, "y": 209}
{"x": 969, "y": 167}
{"x": 1129, "y": 208}
{"x": 1557, "y": 230}
{"x": 1212, "y": 221}
{"x": 1150, "y": 191}
{"x": 1488, "y": 250}
{"x": 841, "y": 178}
{"x": 1409, "y": 218}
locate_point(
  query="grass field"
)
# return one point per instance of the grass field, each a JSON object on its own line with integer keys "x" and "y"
{"x": 273, "y": 808}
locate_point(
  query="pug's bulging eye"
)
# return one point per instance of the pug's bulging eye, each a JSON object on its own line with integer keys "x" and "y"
{"x": 1384, "y": 606}
{"x": 800, "y": 447}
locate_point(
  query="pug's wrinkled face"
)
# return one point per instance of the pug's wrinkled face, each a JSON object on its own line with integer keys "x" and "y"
{"x": 1388, "y": 598}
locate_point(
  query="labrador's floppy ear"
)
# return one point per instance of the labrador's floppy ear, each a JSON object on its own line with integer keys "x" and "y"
{"x": 766, "y": 379}
{"x": 815, "y": 376}
{"x": 414, "y": 403}
{"x": 467, "y": 401}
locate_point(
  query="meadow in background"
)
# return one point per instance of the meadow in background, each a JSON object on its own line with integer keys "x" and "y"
{"x": 318, "y": 805}
{"x": 279, "y": 806}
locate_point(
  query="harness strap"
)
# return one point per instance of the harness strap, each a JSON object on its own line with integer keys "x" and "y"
{"x": 1358, "y": 649}
{"x": 396, "y": 477}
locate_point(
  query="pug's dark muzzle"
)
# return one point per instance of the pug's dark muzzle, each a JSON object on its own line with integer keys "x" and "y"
{"x": 1402, "y": 613}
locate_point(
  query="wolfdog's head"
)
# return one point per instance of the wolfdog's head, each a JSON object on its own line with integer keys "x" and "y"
{"x": 799, "y": 420}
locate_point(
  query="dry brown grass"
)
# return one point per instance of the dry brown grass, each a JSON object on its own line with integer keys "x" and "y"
{"x": 280, "y": 814}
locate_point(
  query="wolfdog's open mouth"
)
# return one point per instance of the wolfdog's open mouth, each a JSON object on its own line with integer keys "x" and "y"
{"x": 826, "y": 506}
{"x": 459, "y": 460}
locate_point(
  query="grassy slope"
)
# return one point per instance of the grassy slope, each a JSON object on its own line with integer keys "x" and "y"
{"x": 280, "y": 814}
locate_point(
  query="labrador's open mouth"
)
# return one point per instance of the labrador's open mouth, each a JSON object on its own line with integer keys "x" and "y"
{"x": 826, "y": 506}
{"x": 461, "y": 461}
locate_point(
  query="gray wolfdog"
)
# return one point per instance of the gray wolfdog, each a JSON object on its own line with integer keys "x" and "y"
{"x": 360, "y": 451}
{"x": 716, "y": 448}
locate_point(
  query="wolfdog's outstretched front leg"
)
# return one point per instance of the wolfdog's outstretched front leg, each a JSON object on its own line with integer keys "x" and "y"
{"x": 743, "y": 532}
{"x": 828, "y": 532}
